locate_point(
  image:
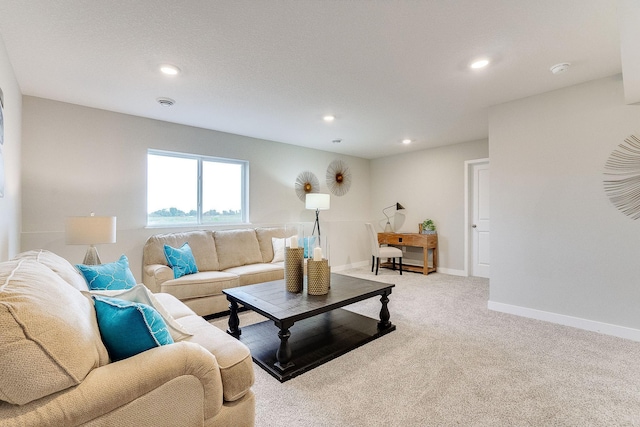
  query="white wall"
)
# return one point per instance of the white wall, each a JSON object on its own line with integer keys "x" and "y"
{"x": 10, "y": 203}
{"x": 78, "y": 160}
{"x": 559, "y": 249}
{"x": 429, "y": 184}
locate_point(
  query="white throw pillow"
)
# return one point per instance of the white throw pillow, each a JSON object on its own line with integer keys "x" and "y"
{"x": 278, "y": 249}
{"x": 279, "y": 245}
{"x": 140, "y": 293}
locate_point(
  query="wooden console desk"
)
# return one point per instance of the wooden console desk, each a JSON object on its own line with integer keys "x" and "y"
{"x": 424, "y": 241}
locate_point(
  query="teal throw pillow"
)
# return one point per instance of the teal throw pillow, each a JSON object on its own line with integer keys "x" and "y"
{"x": 128, "y": 328}
{"x": 108, "y": 277}
{"x": 181, "y": 260}
{"x": 308, "y": 243}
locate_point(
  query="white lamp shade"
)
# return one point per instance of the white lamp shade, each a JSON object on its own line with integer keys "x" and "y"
{"x": 318, "y": 201}
{"x": 90, "y": 230}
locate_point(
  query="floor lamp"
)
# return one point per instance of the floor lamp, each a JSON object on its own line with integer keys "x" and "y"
{"x": 387, "y": 227}
{"x": 319, "y": 202}
{"x": 90, "y": 230}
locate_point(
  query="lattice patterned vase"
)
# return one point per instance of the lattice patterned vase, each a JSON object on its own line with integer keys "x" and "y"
{"x": 318, "y": 277}
{"x": 294, "y": 269}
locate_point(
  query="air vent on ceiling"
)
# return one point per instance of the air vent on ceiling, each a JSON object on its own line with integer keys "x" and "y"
{"x": 166, "y": 102}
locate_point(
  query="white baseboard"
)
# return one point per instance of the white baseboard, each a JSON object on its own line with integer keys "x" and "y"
{"x": 350, "y": 266}
{"x": 451, "y": 271}
{"x": 562, "y": 319}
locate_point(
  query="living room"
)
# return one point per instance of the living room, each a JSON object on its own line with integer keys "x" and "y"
{"x": 560, "y": 251}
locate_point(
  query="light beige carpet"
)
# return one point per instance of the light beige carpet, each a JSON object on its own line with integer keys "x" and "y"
{"x": 452, "y": 362}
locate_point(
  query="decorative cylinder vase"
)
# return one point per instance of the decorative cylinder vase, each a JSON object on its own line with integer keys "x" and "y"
{"x": 293, "y": 269}
{"x": 318, "y": 277}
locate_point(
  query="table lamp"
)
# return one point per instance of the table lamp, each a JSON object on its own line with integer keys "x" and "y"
{"x": 387, "y": 227}
{"x": 319, "y": 202}
{"x": 90, "y": 230}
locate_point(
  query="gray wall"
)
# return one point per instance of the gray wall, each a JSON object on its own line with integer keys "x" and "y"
{"x": 429, "y": 184}
{"x": 78, "y": 160}
{"x": 10, "y": 203}
{"x": 557, "y": 244}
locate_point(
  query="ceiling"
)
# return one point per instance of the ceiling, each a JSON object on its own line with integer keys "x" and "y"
{"x": 271, "y": 69}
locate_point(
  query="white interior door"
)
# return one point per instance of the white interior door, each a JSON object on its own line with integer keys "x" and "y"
{"x": 480, "y": 247}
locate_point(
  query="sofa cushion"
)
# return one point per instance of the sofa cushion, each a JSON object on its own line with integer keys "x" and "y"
{"x": 176, "y": 308}
{"x": 201, "y": 284}
{"x": 234, "y": 358}
{"x": 258, "y": 273}
{"x": 264, "y": 236}
{"x": 181, "y": 260}
{"x": 58, "y": 265}
{"x": 110, "y": 276}
{"x": 128, "y": 328}
{"x": 50, "y": 339}
{"x": 237, "y": 247}
{"x": 141, "y": 294}
{"x": 201, "y": 243}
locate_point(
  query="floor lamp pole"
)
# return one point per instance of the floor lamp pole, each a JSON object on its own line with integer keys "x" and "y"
{"x": 317, "y": 223}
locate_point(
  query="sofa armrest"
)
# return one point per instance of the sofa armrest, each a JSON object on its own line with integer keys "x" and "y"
{"x": 121, "y": 383}
{"x": 154, "y": 275}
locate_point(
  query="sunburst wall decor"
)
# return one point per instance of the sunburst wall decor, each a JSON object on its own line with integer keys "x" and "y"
{"x": 306, "y": 183}
{"x": 338, "y": 177}
{"x": 622, "y": 171}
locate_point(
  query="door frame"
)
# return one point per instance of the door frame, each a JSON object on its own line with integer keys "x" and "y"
{"x": 468, "y": 203}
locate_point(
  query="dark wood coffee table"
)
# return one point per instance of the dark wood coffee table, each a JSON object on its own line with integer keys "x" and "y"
{"x": 305, "y": 331}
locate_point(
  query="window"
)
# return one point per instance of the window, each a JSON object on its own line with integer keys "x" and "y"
{"x": 185, "y": 189}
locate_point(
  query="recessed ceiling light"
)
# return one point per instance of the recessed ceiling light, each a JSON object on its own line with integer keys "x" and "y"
{"x": 170, "y": 70}
{"x": 329, "y": 118}
{"x": 481, "y": 63}
{"x": 406, "y": 141}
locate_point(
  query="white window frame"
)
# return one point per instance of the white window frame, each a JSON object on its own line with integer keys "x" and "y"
{"x": 244, "y": 199}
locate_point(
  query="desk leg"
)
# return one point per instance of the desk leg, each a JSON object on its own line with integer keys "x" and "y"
{"x": 425, "y": 253}
{"x": 435, "y": 260}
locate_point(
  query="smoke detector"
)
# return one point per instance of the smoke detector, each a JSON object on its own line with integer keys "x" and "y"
{"x": 560, "y": 68}
{"x": 166, "y": 102}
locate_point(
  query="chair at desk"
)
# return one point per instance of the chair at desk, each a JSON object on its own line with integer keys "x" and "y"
{"x": 378, "y": 251}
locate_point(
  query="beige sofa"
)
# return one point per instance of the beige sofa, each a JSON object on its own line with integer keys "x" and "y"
{"x": 56, "y": 370}
{"x": 225, "y": 259}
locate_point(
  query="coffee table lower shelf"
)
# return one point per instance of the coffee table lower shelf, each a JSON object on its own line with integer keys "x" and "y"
{"x": 314, "y": 341}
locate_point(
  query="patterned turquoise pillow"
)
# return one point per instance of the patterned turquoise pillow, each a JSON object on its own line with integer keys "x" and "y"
{"x": 128, "y": 328}
{"x": 181, "y": 260}
{"x": 108, "y": 277}
{"x": 308, "y": 243}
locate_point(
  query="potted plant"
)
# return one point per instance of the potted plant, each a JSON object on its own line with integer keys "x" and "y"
{"x": 428, "y": 227}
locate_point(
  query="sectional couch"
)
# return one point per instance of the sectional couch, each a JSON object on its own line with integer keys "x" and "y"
{"x": 224, "y": 259}
{"x": 57, "y": 372}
